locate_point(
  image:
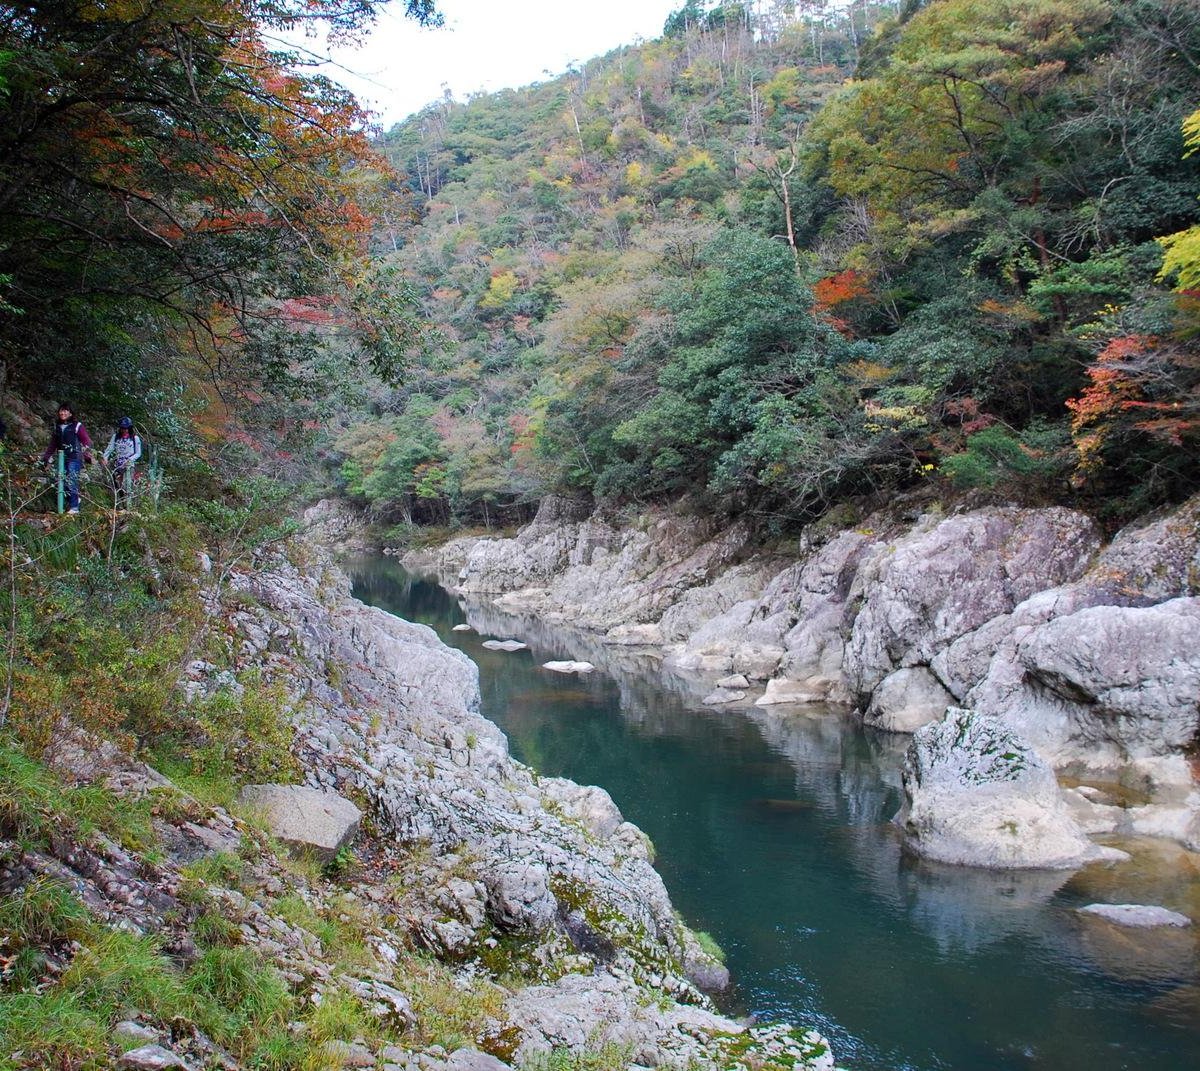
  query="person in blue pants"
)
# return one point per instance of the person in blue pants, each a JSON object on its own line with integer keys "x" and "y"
{"x": 71, "y": 437}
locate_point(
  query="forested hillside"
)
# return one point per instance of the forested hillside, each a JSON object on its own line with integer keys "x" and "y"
{"x": 789, "y": 254}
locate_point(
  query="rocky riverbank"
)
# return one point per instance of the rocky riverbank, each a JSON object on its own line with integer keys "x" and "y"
{"x": 1084, "y": 654}
{"x": 527, "y": 905}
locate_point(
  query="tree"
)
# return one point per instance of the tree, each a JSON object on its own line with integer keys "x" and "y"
{"x": 167, "y": 182}
{"x": 1181, "y": 251}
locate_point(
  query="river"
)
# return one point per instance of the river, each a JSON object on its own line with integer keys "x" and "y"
{"x": 773, "y": 834}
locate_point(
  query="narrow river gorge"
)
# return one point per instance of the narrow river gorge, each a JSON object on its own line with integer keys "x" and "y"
{"x": 773, "y": 834}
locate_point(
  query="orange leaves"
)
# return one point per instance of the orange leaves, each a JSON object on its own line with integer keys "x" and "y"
{"x": 1137, "y": 383}
{"x": 834, "y": 290}
{"x": 844, "y": 286}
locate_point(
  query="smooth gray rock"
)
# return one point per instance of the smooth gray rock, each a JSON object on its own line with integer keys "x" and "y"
{"x": 978, "y": 795}
{"x": 150, "y": 1058}
{"x": 1132, "y": 673}
{"x": 937, "y": 585}
{"x": 320, "y": 821}
{"x": 906, "y": 700}
{"x": 811, "y": 690}
{"x": 474, "y": 1060}
{"x": 1141, "y": 916}
{"x": 349, "y": 1054}
{"x": 505, "y": 645}
{"x": 129, "y": 1031}
{"x": 722, "y": 696}
{"x": 568, "y": 666}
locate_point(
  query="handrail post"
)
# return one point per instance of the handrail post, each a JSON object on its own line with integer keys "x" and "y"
{"x": 61, "y": 467}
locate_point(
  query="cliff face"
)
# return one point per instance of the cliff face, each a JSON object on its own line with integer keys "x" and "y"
{"x": 491, "y": 915}
{"x": 1089, "y": 651}
{"x": 494, "y": 867}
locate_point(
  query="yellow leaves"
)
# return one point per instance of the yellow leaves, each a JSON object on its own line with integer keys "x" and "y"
{"x": 500, "y": 291}
{"x": 883, "y": 418}
{"x": 1191, "y": 133}
{"x": 868, "y": 373}
{"x": 635, "y": 175}
{"x": 696, "y": 158}
{"x": 1181, "y": 250}
{"x": 1013, "y": 313}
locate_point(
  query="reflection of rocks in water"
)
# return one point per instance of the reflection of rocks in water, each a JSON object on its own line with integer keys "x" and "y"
{"x": 964, "y": 909}
{"x": 855, "y": 775}
{"x": 1159, "y": 872}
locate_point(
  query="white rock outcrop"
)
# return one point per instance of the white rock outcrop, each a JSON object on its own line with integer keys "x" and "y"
{"x": 978, "y": 795}
{"x": 1090, "y": 652}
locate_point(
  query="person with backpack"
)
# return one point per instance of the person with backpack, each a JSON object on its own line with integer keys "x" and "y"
{"x": 121, "y": 454}
{"x": 71, "y": 438}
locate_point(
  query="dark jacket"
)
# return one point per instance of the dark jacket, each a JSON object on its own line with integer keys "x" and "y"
{"x": 72, "y": 438}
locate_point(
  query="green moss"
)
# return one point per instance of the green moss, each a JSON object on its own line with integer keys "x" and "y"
{"x": 709, "y": 945}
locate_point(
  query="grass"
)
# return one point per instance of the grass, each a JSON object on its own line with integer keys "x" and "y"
{"x": 341, "y": 929}
{"x": 230, "y": 993}
{"x": 35, "y": 804}
{"x": 447, "y": 1014}
{"x": 709, "y": 945}
{"x": 608, "y": 1057}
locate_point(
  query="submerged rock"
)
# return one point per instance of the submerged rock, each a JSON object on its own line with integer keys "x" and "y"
{"x": 978, "y": 795}
{"x": 505, "y": 645}
{"x": 1142, "y": 916}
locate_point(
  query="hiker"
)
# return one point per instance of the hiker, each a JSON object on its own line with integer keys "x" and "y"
{"x": 70, "y": 437}
{"x": 123, "y": 450}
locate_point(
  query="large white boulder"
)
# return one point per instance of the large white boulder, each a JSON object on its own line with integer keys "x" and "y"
{"x": 906, "y": 700}
{"x": 978, "y": 795}
{"x": 939, "y": 584}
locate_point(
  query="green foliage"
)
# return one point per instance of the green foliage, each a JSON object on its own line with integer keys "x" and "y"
{"x": 1181, "y": 251}
{"x": 609, "y": 1057}
{"x": 229, "y": 992}
{"x": 998, "y": 457}
{"x": 230, "y": 738}
{"x": 603, "y": 253}
{"x": 709, "y": 944}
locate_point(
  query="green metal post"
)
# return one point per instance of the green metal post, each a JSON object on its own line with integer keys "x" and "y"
{"x": 61, "y": 466}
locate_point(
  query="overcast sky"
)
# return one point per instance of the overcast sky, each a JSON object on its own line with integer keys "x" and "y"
{"x": 486, "y": 45}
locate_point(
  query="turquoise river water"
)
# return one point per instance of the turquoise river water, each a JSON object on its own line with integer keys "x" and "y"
{"x": 773, "y": 833}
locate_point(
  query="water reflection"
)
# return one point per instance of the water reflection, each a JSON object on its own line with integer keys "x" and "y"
{"x": 773, "y": 832}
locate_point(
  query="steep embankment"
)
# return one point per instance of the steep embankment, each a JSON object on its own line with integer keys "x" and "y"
{"x": 491, "y": 912}
{"x": 1083, "y": 653}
